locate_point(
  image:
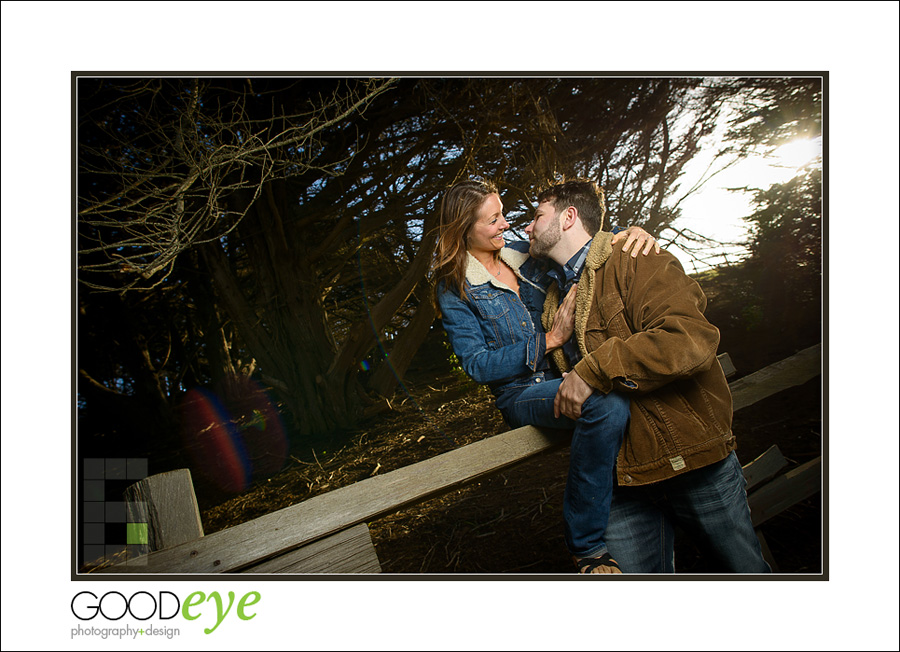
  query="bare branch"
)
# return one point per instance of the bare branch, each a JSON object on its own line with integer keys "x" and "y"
{"x": 169, "y": 178}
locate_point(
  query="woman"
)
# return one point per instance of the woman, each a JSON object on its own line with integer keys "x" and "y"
{"x": 491, "y": 298}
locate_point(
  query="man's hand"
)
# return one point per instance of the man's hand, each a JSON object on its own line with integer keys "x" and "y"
{"x": 637, "y": 237}
{"x": 571, "y": 395}
{"x": 563, "y": 322}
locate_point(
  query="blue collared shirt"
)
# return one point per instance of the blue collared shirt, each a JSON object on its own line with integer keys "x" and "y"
{"x": 565, "y": 277}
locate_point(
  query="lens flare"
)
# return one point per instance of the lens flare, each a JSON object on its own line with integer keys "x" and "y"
{"x": 213, "y": 441}
{"x": 233, "y": 436}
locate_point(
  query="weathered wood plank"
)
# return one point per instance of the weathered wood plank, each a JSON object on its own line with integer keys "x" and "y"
{"x": 727, "y": 365}
{"x": 787, "y": 490}
{"x": 237, "y": 547}
{"x": 765, "y": 467}
{"x": 792, "y": 371}
{"x": 168, "y": 504}
{"x": 349, "y": 551}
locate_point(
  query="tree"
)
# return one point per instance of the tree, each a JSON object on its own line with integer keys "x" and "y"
{"x": 771, "y": 111}
{"x": 284, "y": 228}
{"x": 166, "y": 166}
{"x": 160, "y": 162}
{"x": 785, "y": 244}
{"x": 774, "y": 298}
{"x": 786, "y": 256}
{"x": 753, "y": 117}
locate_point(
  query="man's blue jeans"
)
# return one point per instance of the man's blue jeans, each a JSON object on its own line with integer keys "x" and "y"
{"x": 595, "y": 444}
{"x": 710, "y": 505}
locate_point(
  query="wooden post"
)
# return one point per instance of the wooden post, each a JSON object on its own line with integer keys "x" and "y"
{"x": 167, "y": 504}
{"x": 784, "y": 491}
{"x": 727, "y": 365}
{"x": 764, "y": 468}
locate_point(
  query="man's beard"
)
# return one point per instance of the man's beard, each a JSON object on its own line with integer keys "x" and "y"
{"x": 542, "y": 244}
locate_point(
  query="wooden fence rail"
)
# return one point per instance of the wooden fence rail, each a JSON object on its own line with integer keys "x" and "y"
{"x": 313, "y": 535}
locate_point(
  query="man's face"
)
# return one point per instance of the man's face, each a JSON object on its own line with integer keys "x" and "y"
{"x": 544, "y": 231}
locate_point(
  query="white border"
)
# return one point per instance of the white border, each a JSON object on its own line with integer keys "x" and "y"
{"x": 856, "y": 42}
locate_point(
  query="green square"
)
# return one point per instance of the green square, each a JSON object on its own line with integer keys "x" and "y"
{"x": 136, "y": 534}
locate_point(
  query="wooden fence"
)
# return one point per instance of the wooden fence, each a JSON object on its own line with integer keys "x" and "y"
{"x": 328, "y": 533}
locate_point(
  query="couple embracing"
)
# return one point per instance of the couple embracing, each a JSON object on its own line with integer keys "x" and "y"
{"x": 574, "y": 329}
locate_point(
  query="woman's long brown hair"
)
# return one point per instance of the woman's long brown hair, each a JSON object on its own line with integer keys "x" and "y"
{"x": 459, "y": 211}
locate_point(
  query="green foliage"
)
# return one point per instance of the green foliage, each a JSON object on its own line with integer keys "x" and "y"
{"x": 455, "y": 364}
{"x": 780, "y": 285}
{"x": 752, "y": 317}
{"x": 786, "y": 226}
{"x": 786, "y": 254}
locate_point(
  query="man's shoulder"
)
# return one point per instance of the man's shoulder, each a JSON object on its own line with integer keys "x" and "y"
{"x": 624, "y": 259}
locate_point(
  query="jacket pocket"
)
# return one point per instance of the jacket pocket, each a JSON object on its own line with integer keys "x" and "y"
{"x": 676, "y": 425}
{"x": 494, "y": 311}
{"x": 490, "y": 304}
{"x": 608, "y": 320}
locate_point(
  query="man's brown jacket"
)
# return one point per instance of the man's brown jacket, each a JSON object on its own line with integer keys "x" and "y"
{"x": 640, "y": 328}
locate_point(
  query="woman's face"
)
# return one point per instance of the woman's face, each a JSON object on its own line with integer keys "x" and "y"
{"x": 486, "y": 235}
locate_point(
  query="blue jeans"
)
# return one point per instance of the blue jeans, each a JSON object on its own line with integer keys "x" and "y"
{"x": 710, "y": 505}
{"x": 595, "y": 444}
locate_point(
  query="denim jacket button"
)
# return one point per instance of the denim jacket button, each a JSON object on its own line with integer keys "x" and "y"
{"x": 537, "y": 380}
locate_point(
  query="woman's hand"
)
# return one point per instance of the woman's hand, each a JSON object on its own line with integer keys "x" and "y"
{"x": 639, "y": 238}
{"x": 563, "y": 322}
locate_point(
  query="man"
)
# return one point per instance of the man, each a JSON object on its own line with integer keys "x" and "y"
{"x": 640, "y": 330}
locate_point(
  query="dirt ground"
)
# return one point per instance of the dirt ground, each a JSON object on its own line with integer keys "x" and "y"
{"x": 510, "y": 522}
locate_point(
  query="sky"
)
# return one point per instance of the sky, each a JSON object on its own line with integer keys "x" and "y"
{"x": 716, "y": 212}
{"x": 857, "y": 43}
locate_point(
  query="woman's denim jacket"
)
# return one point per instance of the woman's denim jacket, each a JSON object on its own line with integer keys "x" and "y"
{"x": 497, "y": 336}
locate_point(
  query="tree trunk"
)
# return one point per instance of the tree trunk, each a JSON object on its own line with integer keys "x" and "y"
{"x": 290, "y": 357}
{"x": 212, "y": 333}
{"x": 363, "y": 336}
{"x": 392, "y": 370}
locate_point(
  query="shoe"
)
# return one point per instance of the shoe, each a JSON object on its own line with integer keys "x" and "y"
{"x": 602, "y": 565}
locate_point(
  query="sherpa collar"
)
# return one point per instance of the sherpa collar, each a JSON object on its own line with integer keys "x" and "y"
{"x": 599, "y": 252}
{"x": 601, "y": 248}
{"x": 476, "y": 274}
